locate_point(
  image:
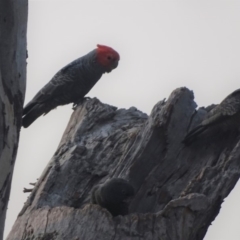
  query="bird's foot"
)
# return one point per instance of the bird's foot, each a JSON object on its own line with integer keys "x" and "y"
{"x": 80, "y": 101}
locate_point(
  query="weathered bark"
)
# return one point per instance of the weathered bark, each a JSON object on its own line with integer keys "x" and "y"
{"x": 13, "y": 27}
{"x": 179, "y": 189}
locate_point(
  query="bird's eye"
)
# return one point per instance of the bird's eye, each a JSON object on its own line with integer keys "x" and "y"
{"x": 109, "y": 57}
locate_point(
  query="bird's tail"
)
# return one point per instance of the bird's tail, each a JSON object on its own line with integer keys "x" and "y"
{"x": 31, "y": 112}
{"x": 193, "y": 134}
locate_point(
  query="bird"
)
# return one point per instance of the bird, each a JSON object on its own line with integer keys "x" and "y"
{"x": 114, "y": 195}
{"x": 223, "y": 117}
{"x": 71, "y": 83}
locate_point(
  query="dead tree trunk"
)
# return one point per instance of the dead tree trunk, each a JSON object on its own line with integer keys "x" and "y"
{"x": 13, "y": 27}
{"x": 179, "y": 189}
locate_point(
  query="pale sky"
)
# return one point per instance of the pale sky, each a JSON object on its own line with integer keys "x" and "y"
{"x": 163, "y": 45}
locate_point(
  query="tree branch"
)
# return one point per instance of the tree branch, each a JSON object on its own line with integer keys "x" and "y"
{"x": 13, "y": 27}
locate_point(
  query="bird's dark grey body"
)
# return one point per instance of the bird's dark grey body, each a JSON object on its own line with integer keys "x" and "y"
{"x": 113, "y": 195}
{"x": 68, "y": 85}
{"x": 223, "y": 117}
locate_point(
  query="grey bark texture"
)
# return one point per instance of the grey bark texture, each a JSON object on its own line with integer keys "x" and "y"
{"x": 179, "y": 189}
{"x": 13, "y": 27}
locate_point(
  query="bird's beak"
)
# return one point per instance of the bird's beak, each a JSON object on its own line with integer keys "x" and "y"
{"x": 115, "y": 64}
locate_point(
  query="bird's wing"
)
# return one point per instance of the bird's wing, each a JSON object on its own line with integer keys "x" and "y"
{"x": 60, "y": 83}
{"x": 57, "y": 86}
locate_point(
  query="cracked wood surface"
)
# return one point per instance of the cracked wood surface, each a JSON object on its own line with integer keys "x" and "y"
{"x": 179, "y": 189}
{"x": 13, "y": 27}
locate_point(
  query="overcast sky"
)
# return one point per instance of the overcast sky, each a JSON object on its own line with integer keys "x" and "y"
{"x": 163, "y": 45}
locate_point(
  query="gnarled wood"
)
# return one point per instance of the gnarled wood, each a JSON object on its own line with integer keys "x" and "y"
{"x": 179, "y": 189}
{"x": 13, "y": 27}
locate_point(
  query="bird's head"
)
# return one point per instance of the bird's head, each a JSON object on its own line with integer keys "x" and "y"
{"x": 107, "y": 57}
{"x": 117, "y": 191}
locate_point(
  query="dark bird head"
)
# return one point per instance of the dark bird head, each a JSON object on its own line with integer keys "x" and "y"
{"x": 114, "y": 195}
{"x": 117, "y": 190}
{"x": 107, "y": 57}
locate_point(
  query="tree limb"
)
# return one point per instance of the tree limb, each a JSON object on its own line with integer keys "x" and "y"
{"x": 13, "y": 27}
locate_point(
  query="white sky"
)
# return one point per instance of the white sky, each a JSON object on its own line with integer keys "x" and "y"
{"x": 163, "y": 45}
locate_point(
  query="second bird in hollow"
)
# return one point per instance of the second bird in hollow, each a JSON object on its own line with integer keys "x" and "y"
{"x": 71, "y": 83}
